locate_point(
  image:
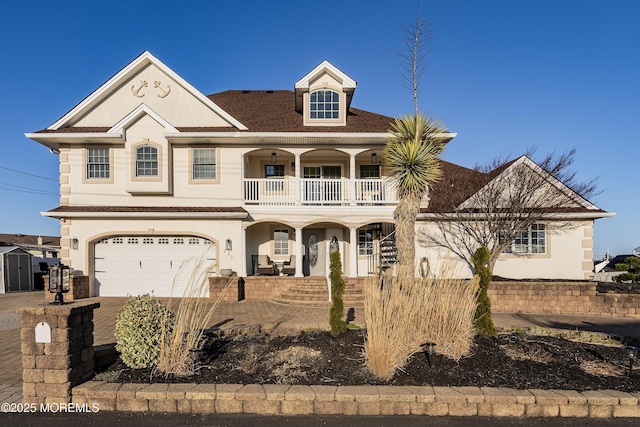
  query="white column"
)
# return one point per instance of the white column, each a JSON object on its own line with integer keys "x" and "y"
{"x": 242, "y": 177}
{"x": 352, "y": 179}
{"x": 298, "y": 182}
{"x": 298, "y": 252}
{"x": 353, "y": 252}
{"x": 243, "y": 249}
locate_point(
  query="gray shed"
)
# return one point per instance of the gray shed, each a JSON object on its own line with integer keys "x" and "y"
{"x": 16, "y": 269}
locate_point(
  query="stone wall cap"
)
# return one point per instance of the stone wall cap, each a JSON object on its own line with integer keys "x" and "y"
{"x": 44, "y": 308}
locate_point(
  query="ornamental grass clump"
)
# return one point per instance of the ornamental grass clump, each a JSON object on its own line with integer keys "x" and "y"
{"x": 181, "y": 344}
{"x": 403, "y": 314}
{"x": 140, "y": 325}
{"x": 336, "y": 313}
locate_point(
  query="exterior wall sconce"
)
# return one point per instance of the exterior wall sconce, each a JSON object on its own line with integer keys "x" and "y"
{"x": 74, "y": 244}
{"x": 293, "y": 166}
{"x": 228, "y": 245}
{"x": 374, "y": 158}
{"x": 59, "y": 282}
{"x": 274, "y": 157}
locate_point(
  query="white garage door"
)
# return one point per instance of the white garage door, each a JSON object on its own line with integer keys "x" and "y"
{"x": 135, "y": 265}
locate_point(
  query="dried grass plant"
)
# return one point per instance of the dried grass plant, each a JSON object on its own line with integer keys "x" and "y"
{"x": 180, "y": 347}
{"x": 404, "y": 313}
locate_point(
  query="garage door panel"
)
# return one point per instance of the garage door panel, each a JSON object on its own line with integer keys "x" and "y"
{"x": 162, "y": 265}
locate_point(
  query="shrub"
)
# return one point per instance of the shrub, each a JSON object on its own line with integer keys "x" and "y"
{"x": 139, "y": 326}
{"x": 336, "y": 313}
{"x": 403, "y": 314}
{"x": 483, "y": 320}
{"x": 181, "y": 345}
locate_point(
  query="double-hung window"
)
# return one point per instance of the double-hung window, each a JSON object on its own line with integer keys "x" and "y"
{"x": 365, "y": 242}
{"x": 146, "y": 161}
{"x": 98, "y": 163}
{"x": 531, "y": 241}
{"x": 204, "y": 164}
{"x": 281, "y": 242}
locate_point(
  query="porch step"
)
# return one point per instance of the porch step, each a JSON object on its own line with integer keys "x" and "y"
{"x": 318, "y": 295}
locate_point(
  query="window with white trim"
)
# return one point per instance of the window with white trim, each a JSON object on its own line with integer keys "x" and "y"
{"x": 98, "y": 163}
{"x": 281, "y": 242}
{"x": 324, "y": 104}
{"x": 365, "y": 242}
{"x": 532, "y": 241}
{"x": 146, "y": 161}
{"x": 369, "y": 171}
{"x": 204, "y": 164}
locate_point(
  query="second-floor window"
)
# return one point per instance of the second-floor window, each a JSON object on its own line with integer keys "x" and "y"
{"x": 146, "y": 161}
{"x": 532, "y": 241}
{"x": 98, "y": 163}
{"x": 204, "y": 164}
{"x": 325, "y": 104}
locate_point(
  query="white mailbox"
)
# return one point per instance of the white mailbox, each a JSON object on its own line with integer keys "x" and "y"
{"x": 43, "y": 332}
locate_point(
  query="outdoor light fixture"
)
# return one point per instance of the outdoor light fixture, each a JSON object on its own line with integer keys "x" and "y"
{"x": 274, "y": 157}
{"x": 228, "y": 245}
{"x": 59, "y": 282}
{"x": 374, "y": 158}
{"x": 633, "y": 354}
{"x": 74, "y": 244}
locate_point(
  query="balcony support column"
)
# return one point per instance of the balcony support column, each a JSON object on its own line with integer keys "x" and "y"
{"x": 353, "y": 252}
{"x": 298, "y": 252}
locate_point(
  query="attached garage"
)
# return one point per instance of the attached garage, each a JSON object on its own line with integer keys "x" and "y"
{"x": 162, "y": 265}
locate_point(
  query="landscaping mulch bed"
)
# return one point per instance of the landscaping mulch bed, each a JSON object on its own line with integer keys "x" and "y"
{"x": 514, "y": 360}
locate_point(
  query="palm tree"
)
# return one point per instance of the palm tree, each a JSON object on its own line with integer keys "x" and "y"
{"x": 412, "y": 158}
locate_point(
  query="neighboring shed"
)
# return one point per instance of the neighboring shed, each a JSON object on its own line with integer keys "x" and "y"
{"x": 16, "y": 269}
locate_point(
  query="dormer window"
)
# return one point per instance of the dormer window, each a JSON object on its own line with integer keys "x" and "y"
{"x": 324, "y": 104}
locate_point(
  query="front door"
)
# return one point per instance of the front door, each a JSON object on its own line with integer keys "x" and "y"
{"x": 314, "y": 252}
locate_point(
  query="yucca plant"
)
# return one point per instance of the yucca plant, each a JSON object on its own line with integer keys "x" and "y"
{"x": 412, "y": 160}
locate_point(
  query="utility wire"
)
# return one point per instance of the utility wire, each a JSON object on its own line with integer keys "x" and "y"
{"x": 27, "y": 173}
{"x": 28, "y": 189}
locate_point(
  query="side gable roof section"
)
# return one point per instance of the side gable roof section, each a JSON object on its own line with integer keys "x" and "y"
{"x": 302, "y": 85}
{"x": 136, "y": 114}
{"x": 526, "y": 161}
{"x": 137, "y": 64}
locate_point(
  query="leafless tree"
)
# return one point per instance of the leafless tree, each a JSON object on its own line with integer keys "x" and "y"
{"x": 492, "y": 205}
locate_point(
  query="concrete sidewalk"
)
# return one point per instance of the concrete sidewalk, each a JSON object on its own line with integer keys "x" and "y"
{"x": 250, "y": 316}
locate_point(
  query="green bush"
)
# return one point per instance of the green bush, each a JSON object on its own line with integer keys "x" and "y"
{"x": 139, "y": 327}
{"x": 338, "y": 285}
{"x": 626, "y": 277}
{"x": 483, "y": 320}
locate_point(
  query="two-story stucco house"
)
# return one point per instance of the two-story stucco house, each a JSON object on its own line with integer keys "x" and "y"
{"x": 153, "y": 173}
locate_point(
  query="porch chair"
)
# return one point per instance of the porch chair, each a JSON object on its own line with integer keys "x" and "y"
{"x": 289, "y": 267}
{"x": 266, "y": 266}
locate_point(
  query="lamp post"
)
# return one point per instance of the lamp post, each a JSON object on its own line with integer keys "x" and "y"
{"x": 59, "y": 282}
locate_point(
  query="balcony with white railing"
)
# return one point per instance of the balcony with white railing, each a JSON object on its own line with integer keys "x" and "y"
{"x": 318, "y": 192}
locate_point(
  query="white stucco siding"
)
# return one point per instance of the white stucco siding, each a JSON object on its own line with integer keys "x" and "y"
{"x": 179, "y": 107}
{"x": 89, "y": 231}
{"x": 568, "y": 256}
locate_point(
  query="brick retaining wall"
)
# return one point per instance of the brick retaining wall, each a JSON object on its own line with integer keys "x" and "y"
{"x": 578, "y": 298}
{"x": 273, "y": 399}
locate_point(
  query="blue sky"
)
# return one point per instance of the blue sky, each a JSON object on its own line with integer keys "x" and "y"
{"x": 505, "y": 75}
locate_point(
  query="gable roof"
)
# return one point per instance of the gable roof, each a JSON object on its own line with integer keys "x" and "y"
{"x": 458, "y": 185}
{"x": 143, "y": 60}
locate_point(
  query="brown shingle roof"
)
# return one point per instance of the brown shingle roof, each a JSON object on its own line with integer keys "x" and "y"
{"x": 274, "y": 111}
{"x": 31, "y": 240}
{"x": 268, "y": 111}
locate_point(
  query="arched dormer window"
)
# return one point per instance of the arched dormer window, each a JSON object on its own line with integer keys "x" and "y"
{"x": 146, "y": 161}
{"x": 324, "y": 104}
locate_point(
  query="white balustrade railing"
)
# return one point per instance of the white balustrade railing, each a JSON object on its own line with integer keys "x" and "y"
{"x": 320, "y": 191}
